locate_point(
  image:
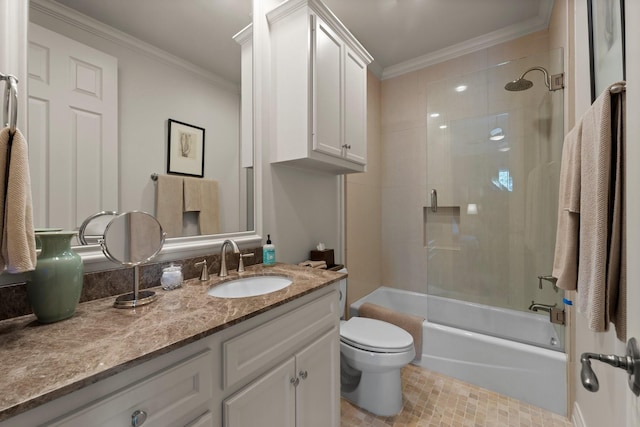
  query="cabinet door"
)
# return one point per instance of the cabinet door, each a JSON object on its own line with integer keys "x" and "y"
{"x": 355, "y": 111}
{"x": 267, "y": 402}
{"x": 318, "y": 393}
{"x": 327, "y": 80}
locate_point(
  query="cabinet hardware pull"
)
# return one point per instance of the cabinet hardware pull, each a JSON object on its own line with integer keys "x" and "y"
{"x": 138, "y": 418}
{"x": 347, "y": 146}
{"x": 303, "y": 374}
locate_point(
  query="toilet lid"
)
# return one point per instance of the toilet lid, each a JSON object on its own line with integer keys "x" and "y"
{"x": 375, "y": 335}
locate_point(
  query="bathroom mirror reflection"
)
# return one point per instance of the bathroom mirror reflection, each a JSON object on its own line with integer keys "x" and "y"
{"x": 132, "y": 238}
{"x": 95, "y": 146}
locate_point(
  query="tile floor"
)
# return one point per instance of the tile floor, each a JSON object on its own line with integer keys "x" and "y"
{"x": 435, "y": 400}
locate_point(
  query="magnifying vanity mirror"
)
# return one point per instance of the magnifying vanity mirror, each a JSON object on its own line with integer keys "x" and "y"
{"x": 131, "y": 239}
{"x": 130, "y": 75}
{"x": 93, "y": 228}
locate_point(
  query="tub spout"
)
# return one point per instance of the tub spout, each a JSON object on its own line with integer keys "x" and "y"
{"x": 541, "y": 307}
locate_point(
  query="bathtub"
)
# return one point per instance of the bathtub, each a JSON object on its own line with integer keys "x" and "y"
{"x": 524, "y": 363}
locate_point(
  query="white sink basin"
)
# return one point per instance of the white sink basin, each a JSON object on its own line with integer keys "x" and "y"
{"x": 249, "y": 286}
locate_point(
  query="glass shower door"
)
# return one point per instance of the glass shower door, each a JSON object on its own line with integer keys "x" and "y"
{"x": 493, "y": 157}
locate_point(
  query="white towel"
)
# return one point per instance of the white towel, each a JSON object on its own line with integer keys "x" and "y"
{"x": 591, "y": 222}
{"x": 18, "y": 253}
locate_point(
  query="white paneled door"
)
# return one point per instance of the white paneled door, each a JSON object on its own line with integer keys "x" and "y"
{"x": 73, "y": 115}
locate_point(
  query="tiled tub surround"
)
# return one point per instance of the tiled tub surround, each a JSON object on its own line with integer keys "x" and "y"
{"x": 44, "y": 362}
{"x": 13, "y": 298}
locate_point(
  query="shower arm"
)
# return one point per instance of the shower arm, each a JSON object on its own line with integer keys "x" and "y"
{"x": 547, "y": 79}
{"x": 630, "y": 363}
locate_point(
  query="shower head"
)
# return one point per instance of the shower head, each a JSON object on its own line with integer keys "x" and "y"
{"x": 554, "y": 82}
{"x": 518, "y": 85}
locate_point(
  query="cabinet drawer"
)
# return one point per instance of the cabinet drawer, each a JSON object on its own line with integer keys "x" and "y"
{"x": 204, "y": 420}
{"x": 251, "y": 352}
{"x": 165, "y": 397}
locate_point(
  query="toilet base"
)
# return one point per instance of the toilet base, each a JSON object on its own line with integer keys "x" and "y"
{"x": 378, "y": 392}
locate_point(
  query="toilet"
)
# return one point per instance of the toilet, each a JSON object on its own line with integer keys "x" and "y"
{"x": 372, "y": 352}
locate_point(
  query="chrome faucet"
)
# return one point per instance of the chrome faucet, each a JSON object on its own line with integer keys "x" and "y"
{"x": 543, "y": 307}
{"x": 223, "y": 258}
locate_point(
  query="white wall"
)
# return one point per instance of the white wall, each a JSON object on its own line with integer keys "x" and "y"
{"x": 150, "y": 92}
{"x": 607, "y": 407}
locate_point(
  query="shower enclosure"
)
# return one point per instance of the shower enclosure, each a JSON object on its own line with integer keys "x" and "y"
{"x": 493, "y": 166}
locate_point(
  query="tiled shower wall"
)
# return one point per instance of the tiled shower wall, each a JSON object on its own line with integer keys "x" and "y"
{"x": 404, "y": 190}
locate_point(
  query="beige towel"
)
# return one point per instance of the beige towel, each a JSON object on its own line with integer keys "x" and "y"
{"x": 408, "y": 322}
{"x": 313, "y": 264}
{"x": 616, "y": 265}
{"x": 209, "y": 217}
{"x": 193, "y": 194}
{"x": 18, "y": 253}
{"x": 591, "y": 236}
{"x": 565, "y": 265}
{"x": 169, "y": 202}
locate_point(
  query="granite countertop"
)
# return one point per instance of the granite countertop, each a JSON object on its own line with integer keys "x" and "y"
{"x": 43, "y": 362}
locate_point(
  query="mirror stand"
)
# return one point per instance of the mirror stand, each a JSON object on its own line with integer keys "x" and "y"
{"x": 131, "y": 239}
{"x": 137, "y": 297}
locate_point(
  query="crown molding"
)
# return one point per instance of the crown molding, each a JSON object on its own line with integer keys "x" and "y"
{"x": 289, "y": 7}
{"x": 512, "y": 32}
{"x": 99, "y": 29}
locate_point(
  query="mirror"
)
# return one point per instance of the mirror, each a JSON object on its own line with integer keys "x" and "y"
{"x": 131, "y": 239}
{"x": 178, "y": 62}
{"x": 92, "y": 228}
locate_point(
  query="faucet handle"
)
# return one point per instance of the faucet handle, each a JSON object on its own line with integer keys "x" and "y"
{"x": 241, "y": 262}
{"x": 548, "y": 278}
{"x": 204, "y": 274}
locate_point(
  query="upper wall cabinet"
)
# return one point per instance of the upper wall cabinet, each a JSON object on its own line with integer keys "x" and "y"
{"x": 319, "y": 74}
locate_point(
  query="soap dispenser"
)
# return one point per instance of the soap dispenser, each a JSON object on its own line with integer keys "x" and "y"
{"x": 268, "y": 252}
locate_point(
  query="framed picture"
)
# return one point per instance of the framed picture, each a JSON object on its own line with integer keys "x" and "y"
{"x": 606, "y": 44}
{"x": 185, "y": 149}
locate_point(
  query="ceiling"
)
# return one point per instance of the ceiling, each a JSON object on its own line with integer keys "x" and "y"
{"x": 399, "y": 34}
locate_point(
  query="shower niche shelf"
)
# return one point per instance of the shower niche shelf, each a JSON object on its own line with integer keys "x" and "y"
{"x": 441, "y": 228}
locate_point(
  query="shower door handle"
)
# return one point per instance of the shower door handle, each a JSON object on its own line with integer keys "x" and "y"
{"x": 434, "y": 200}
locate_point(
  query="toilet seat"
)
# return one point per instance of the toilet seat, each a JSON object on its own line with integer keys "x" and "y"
{"x": 375, "y": 336}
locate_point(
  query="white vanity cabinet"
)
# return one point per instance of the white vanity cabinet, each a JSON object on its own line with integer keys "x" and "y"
{"x": 302, "y": 391}
{"x": 283, "y": 361}
{"x": 167, "y": 398}
{"x": 319, "y": 91}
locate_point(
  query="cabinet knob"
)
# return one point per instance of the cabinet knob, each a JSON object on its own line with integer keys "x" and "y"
{"x": 295, "y": 381}
{"x": 347, "y": 146}
{"x": 138, "y": 418}
{"x": 303, "y": 374}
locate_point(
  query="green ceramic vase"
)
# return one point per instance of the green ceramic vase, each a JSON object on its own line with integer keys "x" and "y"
{"x": 56, "y": 283}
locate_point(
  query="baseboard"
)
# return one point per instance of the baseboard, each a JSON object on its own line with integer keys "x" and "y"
{"x": 576, "y": 416}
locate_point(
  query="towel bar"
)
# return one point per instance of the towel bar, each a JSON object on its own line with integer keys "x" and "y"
{"x": 10, "y": 98}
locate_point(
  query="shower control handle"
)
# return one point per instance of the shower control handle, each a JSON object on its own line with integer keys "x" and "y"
{"x": 630, "y": 363}
{"x": 548, "y": 278}
{"x": 434, "y": 200}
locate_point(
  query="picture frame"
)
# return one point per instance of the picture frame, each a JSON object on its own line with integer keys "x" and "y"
{"x": 185, "y": 149}
{"x": 606, "y": 44}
